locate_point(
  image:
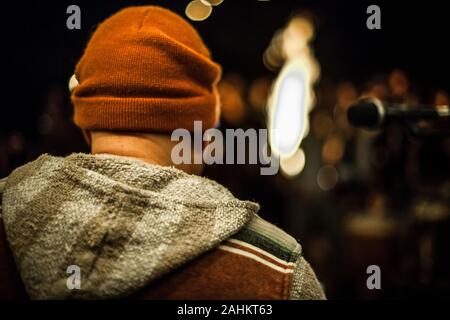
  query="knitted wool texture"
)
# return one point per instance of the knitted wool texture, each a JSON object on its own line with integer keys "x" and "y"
{"x": 126, "y": 224}
{"x": 123, "y": 222}
{"x": 145, "y": 69}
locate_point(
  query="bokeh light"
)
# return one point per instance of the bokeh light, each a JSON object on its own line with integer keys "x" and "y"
{"x": 198, "y": 10}
{"x": 213, "y": 2}
{"x": 288, "y": 109}
{"x": 293, "y": 165}
{"x": 292, "y": 96}
{"x": 231, "y": 89}
{"x": 327, "y": 177}
{"x": 333, "y": 150}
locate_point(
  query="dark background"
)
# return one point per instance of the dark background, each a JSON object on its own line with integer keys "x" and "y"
{"x": 39, "y": 55}
{"x": 40, "y": 51}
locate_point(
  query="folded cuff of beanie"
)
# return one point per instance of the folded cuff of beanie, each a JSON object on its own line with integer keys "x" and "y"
{"x": 144, "y": 114}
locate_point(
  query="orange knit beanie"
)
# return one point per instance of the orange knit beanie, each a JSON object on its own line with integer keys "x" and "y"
{"x": 145, "y": 69}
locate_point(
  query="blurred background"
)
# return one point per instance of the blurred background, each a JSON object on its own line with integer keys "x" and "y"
{"x": 353, "y": 198}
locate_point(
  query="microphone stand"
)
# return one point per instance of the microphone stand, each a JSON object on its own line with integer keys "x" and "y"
{"x": 421, "y": 129}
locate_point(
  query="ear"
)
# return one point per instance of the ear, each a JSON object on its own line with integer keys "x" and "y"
{"x": 87, "y": 136}
{"x": 73, "y": 82}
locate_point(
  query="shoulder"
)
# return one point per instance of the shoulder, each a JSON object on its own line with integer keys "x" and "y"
{"x": 266, "y": 243}
{"x": 262, "y": 241}
{"x": 261, "y": 261}
{"x": 258, "y": 262}
{"x": 265, "y": 253}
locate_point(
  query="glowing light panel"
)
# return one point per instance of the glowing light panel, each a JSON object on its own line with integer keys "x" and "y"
{"x": 289, "y": 109}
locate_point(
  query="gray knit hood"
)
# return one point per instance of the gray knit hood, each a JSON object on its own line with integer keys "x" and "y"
{"x": 123, "y": 222}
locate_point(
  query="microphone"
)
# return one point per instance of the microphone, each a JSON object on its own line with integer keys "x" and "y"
{"x": 372, "y": 113}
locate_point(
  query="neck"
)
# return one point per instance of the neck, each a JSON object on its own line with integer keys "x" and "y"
{"x": 153, "y": 149}
{"x": 150, "y": 148}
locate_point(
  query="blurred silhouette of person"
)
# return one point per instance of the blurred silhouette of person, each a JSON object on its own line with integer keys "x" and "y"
{"x": 131, "y": 222}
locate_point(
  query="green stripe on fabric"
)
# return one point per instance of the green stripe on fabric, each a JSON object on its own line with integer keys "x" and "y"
{"x": 267, "y": 244}
{"x": 271, "y": 231}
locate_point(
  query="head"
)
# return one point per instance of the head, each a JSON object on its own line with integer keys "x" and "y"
{"x": 144, "y": 73}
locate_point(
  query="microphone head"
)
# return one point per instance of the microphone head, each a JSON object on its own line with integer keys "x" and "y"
{"x": 366, "y": 113}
